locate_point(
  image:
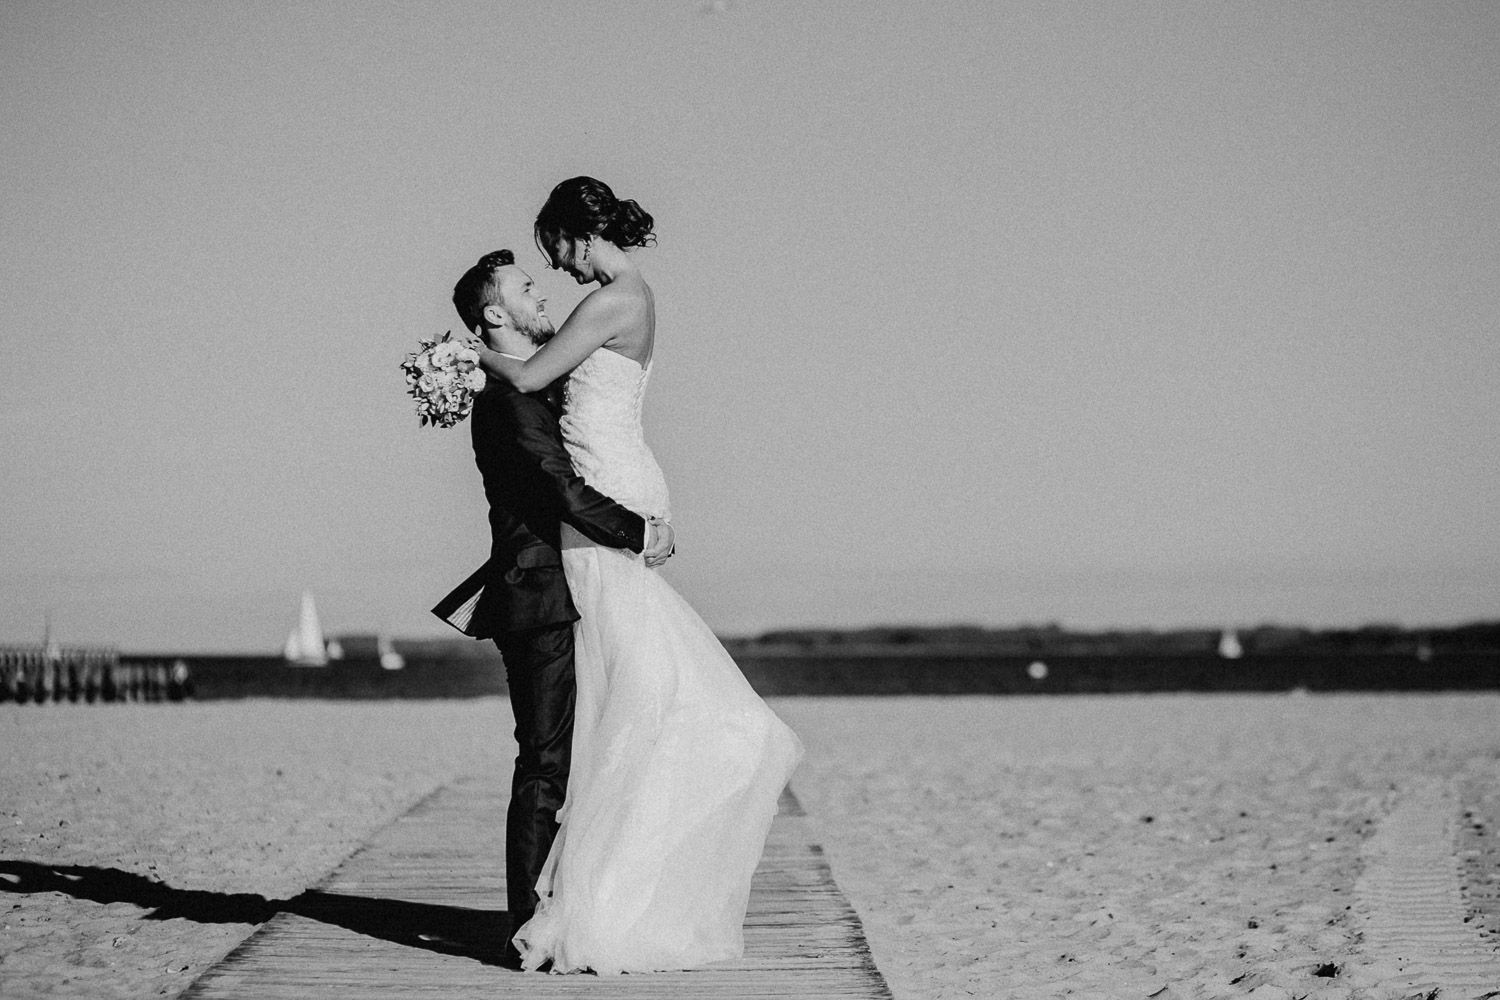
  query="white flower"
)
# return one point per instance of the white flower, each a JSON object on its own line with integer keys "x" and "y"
{"x": 442, "y": 378}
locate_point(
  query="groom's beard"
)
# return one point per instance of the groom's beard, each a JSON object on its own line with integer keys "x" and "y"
{"x": 535, "y": 328}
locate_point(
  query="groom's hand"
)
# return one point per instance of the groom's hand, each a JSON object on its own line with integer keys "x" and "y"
{"x": 661, "y": 540}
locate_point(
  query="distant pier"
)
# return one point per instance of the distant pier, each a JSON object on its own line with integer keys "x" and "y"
{"x": 48, "y": 673}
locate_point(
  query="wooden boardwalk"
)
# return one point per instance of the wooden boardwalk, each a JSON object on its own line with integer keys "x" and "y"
{"x": 420, "y": 911}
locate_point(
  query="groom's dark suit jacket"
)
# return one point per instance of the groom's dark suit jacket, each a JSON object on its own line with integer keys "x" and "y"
{"x": 532, "y": 488}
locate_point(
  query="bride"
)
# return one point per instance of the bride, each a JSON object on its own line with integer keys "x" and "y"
{"x": 677, "y": 763}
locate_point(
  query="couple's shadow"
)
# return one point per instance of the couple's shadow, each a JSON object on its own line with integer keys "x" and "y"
{"x": 448, "y": 930}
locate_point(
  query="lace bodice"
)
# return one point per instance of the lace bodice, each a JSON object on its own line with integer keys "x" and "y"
{"x": 601, "y": 426}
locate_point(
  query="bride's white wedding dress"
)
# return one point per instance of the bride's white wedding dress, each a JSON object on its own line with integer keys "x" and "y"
{"x": 677, "y": 763}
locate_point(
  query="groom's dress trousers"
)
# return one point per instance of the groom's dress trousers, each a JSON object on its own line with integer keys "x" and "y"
{"x": 526, "y": 608}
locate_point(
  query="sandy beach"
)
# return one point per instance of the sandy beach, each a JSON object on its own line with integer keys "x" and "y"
{"x": 1167, "y": 846}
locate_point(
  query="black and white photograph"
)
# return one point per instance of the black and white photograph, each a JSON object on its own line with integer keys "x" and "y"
{"x": 709, "y": 499}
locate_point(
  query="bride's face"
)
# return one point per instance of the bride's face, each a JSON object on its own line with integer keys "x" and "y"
{"x": 566, "y": 255}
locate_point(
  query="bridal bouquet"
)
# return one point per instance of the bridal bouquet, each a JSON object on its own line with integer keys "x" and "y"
{"x": 443, "y": 378}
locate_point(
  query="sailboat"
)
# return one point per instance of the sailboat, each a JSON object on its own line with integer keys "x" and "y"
{"x": 1229, "y": 645}
{"x": 389, "y": 658}
{"x": 364, "y": 648}
{"x": 304, "y": 646}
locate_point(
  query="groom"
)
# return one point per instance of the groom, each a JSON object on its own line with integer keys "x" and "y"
{"x": 520, "y": 598}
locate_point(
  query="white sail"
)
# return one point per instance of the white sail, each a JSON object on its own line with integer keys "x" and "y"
{"x": 389, "y": 658}
{"x": 305, "y": 645}
{"x": 1229, "y": 645}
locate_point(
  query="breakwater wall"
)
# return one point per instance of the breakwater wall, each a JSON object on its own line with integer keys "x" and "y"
{"x": 780, "y": 673}
{"x": 960, "y": 673}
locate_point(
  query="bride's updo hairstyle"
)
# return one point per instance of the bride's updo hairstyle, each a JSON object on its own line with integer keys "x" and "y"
{"x": 582, "y": 206}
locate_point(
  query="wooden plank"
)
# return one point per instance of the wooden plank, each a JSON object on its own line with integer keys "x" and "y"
{"x": 420, "y": 911}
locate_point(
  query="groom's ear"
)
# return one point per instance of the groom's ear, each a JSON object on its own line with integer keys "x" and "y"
{"x": 494, "y": 316}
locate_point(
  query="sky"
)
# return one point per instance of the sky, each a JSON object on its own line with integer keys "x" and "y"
{"x": 1110, "y": 315}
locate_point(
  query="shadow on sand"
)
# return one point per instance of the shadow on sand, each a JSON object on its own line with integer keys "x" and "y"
{"x": 449, "y": 930}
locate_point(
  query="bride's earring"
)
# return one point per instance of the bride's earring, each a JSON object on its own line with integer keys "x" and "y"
{"x": 587, "y": 246}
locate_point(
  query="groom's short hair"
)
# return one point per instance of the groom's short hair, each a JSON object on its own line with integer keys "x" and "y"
{"x": 478, "y": 288}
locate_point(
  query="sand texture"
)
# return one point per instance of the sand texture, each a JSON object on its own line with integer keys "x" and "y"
{"x": 1164, "y": 846}
{"x": 261, "y": 798}
{"x": 1113, "y": 847}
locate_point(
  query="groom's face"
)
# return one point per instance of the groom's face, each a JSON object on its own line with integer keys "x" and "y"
{"x": 525, "y": 306}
